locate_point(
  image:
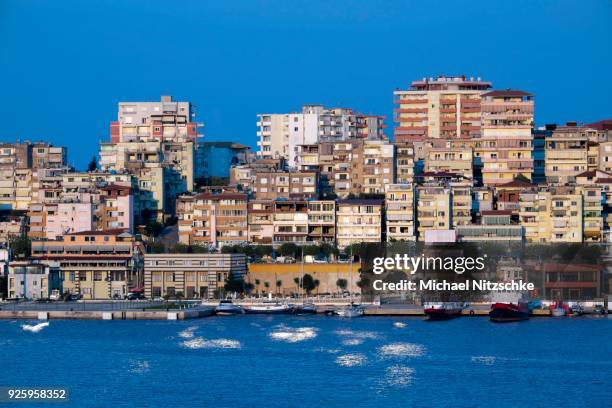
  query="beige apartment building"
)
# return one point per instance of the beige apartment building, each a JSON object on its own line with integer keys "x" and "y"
{"x": 359, "y": 220}
{"x": 212, "y": 219}
{"x": 553, "y": 214}
{"x": 461, "y": 191}
{"x": 290, "y": 221}
{"x": 260, "y": 220}
{"x": 271, "y": 185}
{"x": 399, "y": 212}
{"x": 434, "y": 208}
{"x": 404, "y": 163}
{"x": 449, "y": 159}
{"x": 375, "y": 169}
{"x": 192, "y": 276}
{"x": 441, "y": 107}
{"x": 566, "y": 154}
{"x": 322, "y": 221}
{"x": 505, "y": 147}
{"x": 94, "y": 264}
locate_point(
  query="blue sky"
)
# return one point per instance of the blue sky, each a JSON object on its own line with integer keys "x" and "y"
{"x": 65, "y": 64}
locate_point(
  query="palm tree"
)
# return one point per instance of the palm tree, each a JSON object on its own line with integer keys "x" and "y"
{"x": 266, "y": 285}
{"x": 257, "y": 282}
{"x": 341, "y": 284}
{"x": 316, "y": 284}
{"x": 279, "y": 283}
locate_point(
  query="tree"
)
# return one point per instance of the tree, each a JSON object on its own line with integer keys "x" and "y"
{"x": 316, "y": 283}
{"x": 248, "y": 288}
{"x": 267, "y": 285}
{"x": 234, "y": 284}
{"x": 21, "y": 246}
{"x": 257, "y": 282}
{"x": 308, "y": 283}
{"x": 297, "y": 283}
{"x": 311, "y": 250}
{"x": 342, "y": 284}
{"x": 93, "y": 164}
{"x": 279, "y": 283}
{"x": 288, "y": 249}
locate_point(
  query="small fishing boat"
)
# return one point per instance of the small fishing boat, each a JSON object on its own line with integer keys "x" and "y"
{"x": 227, "y": 307}
{"x": 576, "y": 310}
{"x": 558, "y": 309}
{"x": 443, "y": 311}
{"x": 352, "y": 310}
{"x": 509, "y": 312}
{"x": 270, "y": 308}
{"x": 304, "y": 309}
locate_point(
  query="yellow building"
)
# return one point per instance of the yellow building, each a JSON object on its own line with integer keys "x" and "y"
{"x": 461, "y": 202}
{"x": 399, "y": 211}
{"x": 433, "y": 208}
{"x": 450, "y": 159}
{"x": 277, "y": 278}
{"x": 566, "y": 154}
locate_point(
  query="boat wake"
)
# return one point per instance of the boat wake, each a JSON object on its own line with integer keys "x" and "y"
{"x": 188, "y": 332}
{"x": 202, "y": 343}
{"x": 291, "y": 335}
{"x": 484, "y": 360}
{"x": 399, "y": 325}
{"x": 351, "y": 360}
{"x": 34, "y": 328}
{"x": 401, "y": 350}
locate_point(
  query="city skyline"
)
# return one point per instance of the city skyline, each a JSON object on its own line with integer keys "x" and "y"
{"x": 246, "y": 62}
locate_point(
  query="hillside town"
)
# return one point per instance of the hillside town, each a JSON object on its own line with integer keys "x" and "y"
{"x": 162, "y": 210}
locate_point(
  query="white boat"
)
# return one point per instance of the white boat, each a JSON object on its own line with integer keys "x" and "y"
{"x": 351, "y": 311}
{"x": 558, "y": 312}
{"x": 227, "y": 307}
{"x": 270, "y": 308}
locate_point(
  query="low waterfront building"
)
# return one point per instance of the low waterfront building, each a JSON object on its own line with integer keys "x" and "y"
{"x": 285, "y": 279}
{"x": 494, "y": 226}
{"x": 94, "y": 264}
{"x": 32, "y": 279}
{"x": 570, "y": 281}
{"x": 191, "y": 276}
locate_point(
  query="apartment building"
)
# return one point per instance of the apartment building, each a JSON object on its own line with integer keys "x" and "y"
{"x": 434, "y": 208}
{"x": 11, "y": 227}
{"x": 567, "y": 151}
{"x": 212, "y": 219}
{"x": 506, "y": 144}
{"x": 593, "y": 196}
{"x": 49, "y": 221}
{"x": 94, "y": 264}
{"x": 290, "y": 221}
{"x": 404, "y": 162}
{"x": 508, "y": 195}
{"x": 359, "y": 220}
{"x": 461, "y": 191}
{"x": 260, "y": 220}
{"x": 322, "y": 221}
{"x": 243, "y": 176}
{"x": 115, "y": 209}
{"x": 552, "y": 214}
{"x": 375, "y": 168}
{"x": 281, "y": 134}
{"x": 271, "y": 185}
{"x": 449, "y": 159}
{"x": 19, "y": 163}
{"x": 482, "y": 199}
{"x": 399, "y": 212}
{"x": 442, "y": 107}
{"x": 193, "y": 276}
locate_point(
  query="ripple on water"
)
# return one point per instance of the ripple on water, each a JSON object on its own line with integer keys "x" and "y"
{"x": 398, "y": 376}
{"x": 357, "y": 334}
{"x": 352, "y": 342}
{"x": 351, "y": 360}
{"x": 484, "y": 360}
{"x": 294, "y": 335}
{"x": 201, "y": 343}
{"x": 401, "y": 350}
{"x": 138, "y": 367}
{"x": 399, "y": 325}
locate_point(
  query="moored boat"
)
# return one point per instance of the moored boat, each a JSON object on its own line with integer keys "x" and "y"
{"x": 269, "y": 308}
{"x": 304, "y": 309}
{"x": 227, "y": 307}
{"x": 443, "y": 311}
{"x": 351, "y": 311}
{"x": 509, "y": 312}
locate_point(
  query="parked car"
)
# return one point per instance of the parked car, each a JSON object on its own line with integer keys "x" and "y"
{"x": 55, "y": 295}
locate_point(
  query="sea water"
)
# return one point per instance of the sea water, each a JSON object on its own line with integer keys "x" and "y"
{"x": 288, "y": 361}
